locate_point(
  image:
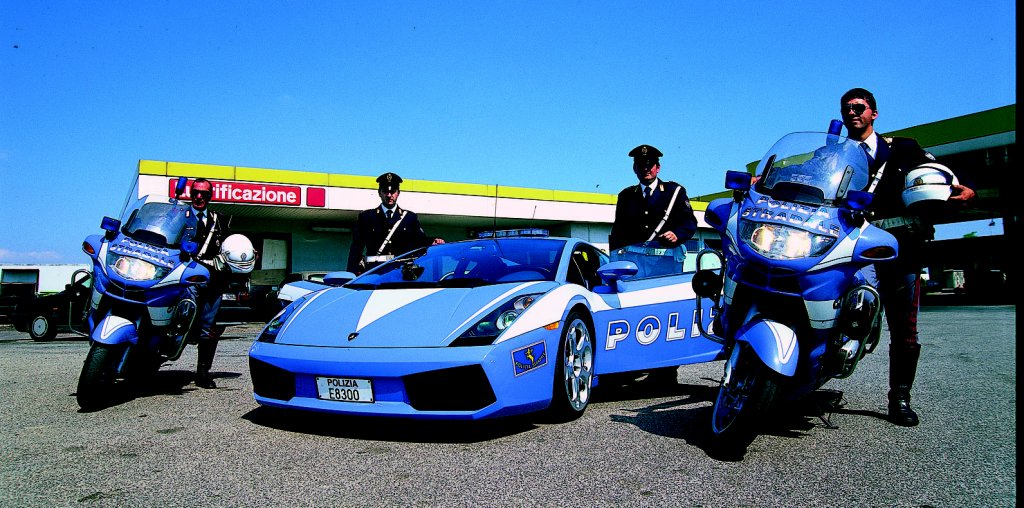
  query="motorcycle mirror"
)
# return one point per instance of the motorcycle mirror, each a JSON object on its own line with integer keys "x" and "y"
{"x": 737, "y": 180}
{"x": 707, "y": 283}
{"x": 179, "y": 187}
{"x": 111, "y": 226}
{"x": 859, "y": 200}
{"x": 189, "y": 247}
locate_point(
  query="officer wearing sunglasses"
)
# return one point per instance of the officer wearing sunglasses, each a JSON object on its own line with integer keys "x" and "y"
{"x": 899, "y": 281}
{"x": 210, "y": 231}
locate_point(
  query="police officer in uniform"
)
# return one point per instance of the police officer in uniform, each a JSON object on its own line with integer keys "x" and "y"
{"x": 655, "y": 210}
{"x": 898, "y": 281}
{"x": 209, "y": 229}
{"x": 385, "y": 231}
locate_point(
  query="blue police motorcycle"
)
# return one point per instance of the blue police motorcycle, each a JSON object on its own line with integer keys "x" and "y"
{"x": 140, "y": 311}
{"x": 791, "y": 301}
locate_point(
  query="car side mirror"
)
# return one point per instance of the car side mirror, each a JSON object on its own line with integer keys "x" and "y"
{"x": 338, "y": 278}
{"x": 615, "y": 271}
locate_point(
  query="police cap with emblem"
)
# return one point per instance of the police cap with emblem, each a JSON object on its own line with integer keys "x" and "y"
{"x": 645, "y": 153}
{"x": 388, "y": 181}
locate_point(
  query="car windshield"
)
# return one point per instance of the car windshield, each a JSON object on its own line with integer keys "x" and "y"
{"x": 161, "y": 224}
{"x": 468, "y": 264}
{"x": 813, "y": 168}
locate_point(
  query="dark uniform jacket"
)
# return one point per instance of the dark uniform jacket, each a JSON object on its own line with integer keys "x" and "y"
{"x": 636, "y": 219}
{"x": 901, "y": 155}
{"x": 372, "y": 228}
{"x": 209, "y": 238}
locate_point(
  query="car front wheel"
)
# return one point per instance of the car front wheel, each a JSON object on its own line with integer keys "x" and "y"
{"x": 574, "y": 371}
{"x": 41, "y": 328}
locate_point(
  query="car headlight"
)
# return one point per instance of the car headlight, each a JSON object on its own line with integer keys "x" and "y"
{"x": 136, "y": 269}
{"x": 274, "y": 326}
{"x": 485, "y": 331}
{"x": 776, "y": 241}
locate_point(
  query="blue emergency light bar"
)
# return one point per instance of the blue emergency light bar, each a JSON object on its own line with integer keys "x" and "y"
{"x": 509, "y": 233}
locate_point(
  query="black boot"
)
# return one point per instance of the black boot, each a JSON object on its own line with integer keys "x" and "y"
{"x": 207, "y": 349}
{"x": 902, "y": 368}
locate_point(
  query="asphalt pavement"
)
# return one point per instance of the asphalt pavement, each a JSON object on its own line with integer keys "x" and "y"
{"x": 639, "y": 444}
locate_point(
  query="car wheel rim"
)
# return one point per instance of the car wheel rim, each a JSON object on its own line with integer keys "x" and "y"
{"x": 578, "y": 364}
{"x": 40, "y": 326}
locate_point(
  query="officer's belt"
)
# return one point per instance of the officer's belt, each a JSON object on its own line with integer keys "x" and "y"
{"x": 647, "y": 251}
{"x": 896, "y": 222}
{"x": 379, "y": 259}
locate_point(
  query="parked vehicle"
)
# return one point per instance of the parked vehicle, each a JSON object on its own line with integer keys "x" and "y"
{"x": 795, "y": 309}
{"x": 140, "y": 312}
{"x": 44, "y": 316}
{"x": 245, "y": 302}
{"x": 11, "y": 294}
{"x": 477, "y": 329}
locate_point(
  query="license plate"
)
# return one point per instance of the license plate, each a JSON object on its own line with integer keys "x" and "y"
{"x": 230, "y": 297}
{"x": 344, "y": 389}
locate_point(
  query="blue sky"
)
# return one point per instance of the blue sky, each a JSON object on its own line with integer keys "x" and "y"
{"x": 531, "y": 94}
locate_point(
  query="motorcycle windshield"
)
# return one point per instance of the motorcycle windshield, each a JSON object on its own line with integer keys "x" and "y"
{"x": 813, "y": 168}
{"x": 161, "y": 224}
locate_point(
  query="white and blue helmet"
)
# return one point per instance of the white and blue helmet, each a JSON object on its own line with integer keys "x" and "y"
{"x": 928, "y": 182}
{"x": 238, "y": 253}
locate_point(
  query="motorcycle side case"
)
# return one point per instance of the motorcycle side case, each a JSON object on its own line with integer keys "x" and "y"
{"x": 774, "y": 343}
{"x": 115, "y": 330}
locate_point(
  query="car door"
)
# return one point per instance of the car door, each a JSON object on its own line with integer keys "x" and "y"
{"x": 650, "y": 323}
{"x": 77, "y": 304}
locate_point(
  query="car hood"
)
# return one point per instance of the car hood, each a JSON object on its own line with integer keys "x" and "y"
{"x": 341, "y": 317}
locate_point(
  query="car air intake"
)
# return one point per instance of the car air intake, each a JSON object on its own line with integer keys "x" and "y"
{"x": 270, "y": 381}
{"x": 456, "y": 389}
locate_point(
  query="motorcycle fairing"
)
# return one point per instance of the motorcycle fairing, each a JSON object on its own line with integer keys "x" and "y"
{"x": 774, "y": 343}
{"x": 814, "y": 219}
{"x": 115, "y": 330}
{"x": 822, "y": 313}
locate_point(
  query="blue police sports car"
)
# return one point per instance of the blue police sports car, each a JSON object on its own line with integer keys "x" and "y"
{"x": 481, "y": 328}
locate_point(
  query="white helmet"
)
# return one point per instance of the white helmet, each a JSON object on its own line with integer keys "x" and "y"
{"x": 928, "y": 182}
{"x": 238, "y": 253}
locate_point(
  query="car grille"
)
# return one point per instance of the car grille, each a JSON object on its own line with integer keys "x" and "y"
{"x": 270, "y": 381}
{"x": 456, "y": 389}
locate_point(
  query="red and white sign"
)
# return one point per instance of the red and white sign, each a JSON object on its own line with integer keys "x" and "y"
{"x": 239, "y": 192}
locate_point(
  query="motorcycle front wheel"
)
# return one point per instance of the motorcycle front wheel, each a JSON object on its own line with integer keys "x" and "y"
{"x": 747, "y": 390}
{"x": 99, "y": 374}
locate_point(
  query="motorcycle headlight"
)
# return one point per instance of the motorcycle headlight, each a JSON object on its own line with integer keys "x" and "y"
{"x": 776, "y": 241}
{"x": 136, "y": 269}
{"x": 486, "y": 330}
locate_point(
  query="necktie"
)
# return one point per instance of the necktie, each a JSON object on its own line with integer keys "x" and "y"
{"x": 389, "y": 214}
{"x": 202, "y": 219}
{"x": 867, "y": 151}
{"x": 647, "y": 194}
